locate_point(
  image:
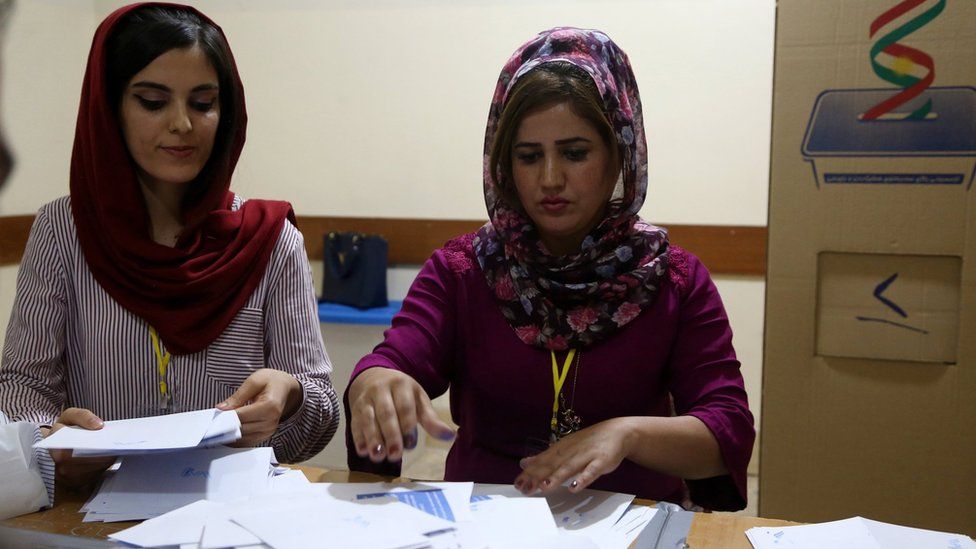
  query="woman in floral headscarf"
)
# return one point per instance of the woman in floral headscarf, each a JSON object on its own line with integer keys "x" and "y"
{"x": 579, "y": 346}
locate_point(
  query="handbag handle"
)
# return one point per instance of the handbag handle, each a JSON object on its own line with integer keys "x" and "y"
{"x": 342, "y": 259}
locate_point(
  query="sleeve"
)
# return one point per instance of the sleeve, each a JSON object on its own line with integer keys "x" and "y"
{"x": 27, "y": 473}
{"x": 420, "y": 343}
{"x": 706, "y": 383}
{"x": 293, "y": 343}
{"x": 32, "y": 370}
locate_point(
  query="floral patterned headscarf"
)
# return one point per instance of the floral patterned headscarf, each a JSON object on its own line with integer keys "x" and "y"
{"x": 574, "y": 301}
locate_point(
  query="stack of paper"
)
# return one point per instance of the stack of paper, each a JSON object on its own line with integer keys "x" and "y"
{"x": 201, "y": 428}
{"x": 150, "y": 485}
{"x": 400, "y": 515}
{"x": 854, "y": 533}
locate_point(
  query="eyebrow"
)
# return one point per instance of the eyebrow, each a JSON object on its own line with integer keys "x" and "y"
{"x": 161, "y": 87}
{"x": 566, "y": 141}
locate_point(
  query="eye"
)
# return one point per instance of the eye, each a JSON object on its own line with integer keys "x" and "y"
{"x": 203, "y": 106}
{"x": 527, "y": 157}
{"x": 151, "y": 104}
{"x": 576, "y": 155}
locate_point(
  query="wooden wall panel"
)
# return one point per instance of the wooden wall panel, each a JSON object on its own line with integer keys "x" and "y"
{"x": 723, "y": 249}
{"x": 13, "y": 237}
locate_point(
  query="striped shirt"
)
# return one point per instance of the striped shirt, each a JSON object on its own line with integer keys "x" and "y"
{"x": 69, "y": 344}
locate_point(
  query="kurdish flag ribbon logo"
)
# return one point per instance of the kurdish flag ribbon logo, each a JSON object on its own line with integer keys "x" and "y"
{"x": 901, "y": 64}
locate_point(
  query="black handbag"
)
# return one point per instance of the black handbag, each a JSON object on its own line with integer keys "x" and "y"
{"x": 355, "y": 270}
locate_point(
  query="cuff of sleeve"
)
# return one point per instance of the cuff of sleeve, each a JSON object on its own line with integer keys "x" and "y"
{"x": 294, "y": 417}
{"x": 45, "y": 466}
{"x": 727, "y": 492}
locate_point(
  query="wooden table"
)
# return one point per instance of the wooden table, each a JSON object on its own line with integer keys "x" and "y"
{"x": 708, "y": 530}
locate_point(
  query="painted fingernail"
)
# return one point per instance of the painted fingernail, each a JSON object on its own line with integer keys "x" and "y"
{"x": 449, "y": 435}
{"x": 574, "y": 484}
{"x": 378, "y": 450}
{"x": 410, "y": 440}
{"x": 546, "y": 483}
{"x": 518, "y": 484}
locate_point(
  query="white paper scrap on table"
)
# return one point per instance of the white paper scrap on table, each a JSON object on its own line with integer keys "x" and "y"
{"x": 855, "y": 533}
{"x": 501, "y": 522}
{"x": 589, "y": 512}
{"x": 153, "y": 484}
{"x": 893, "y": 536}
{"x": 375, "y": 523}
{"x": 290, "y": 480}
{"x": 623, "y": 533}
{"x": 447, "y": 500}
{"x": 849, "y": 533}
{"x": 181, "y": 526}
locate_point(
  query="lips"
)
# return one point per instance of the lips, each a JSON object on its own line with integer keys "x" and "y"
{"x": 180, "y": 151}
{"x": 554, "y": 204}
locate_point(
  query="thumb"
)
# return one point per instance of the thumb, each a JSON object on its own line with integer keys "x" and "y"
{"x": 245, "y": 393}
{"x": 431, "y": 423}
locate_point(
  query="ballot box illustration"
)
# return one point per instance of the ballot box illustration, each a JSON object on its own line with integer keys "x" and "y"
{"x": 939, "y": 148}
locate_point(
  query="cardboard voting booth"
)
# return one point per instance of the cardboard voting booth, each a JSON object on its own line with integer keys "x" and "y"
{"x": 869, "y": 383}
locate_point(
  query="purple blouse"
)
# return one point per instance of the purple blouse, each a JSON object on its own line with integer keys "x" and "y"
{"x": 677, "y": 354}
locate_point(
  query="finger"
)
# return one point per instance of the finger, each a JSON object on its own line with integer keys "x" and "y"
{"x": 563, "y": 473}
{"x": 78, "y": 417}
{"x": 389, "y": 428}
{"x": 361, "y": 423}
{"x": 244, "y": 394}
{"x": 261, "y": 410}
{"x": 589, "y": 474}
{"x": 406, "y": 409}
{"x": 430, "y": 421}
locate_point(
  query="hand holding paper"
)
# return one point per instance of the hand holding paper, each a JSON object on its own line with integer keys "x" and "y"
{"x": 264, "y": 399}
{"x": 78, "y": 471}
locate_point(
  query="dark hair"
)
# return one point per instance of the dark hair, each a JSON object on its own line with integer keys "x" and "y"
{"x": 146, "y": 33}
{"x": 545, "y": 85}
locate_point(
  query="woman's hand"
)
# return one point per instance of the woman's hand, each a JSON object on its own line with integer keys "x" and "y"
{"x": 74, "y": 472}
{"x": 579, "y": 458}
{"x": 265, "y": 397}
{"x": 385, "y": 407}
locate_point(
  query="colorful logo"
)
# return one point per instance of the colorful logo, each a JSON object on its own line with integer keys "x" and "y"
{"x": 899, "y": 63}
{"x": 914, "y": 134}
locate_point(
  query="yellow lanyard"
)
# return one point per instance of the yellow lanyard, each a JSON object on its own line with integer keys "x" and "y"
{"x": 558, "y": 378}
{"x": 162, "y": 362}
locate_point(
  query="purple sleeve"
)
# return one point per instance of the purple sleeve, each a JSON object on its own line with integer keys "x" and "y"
{"x": 706, "y": 383}
{"x": 420, "y": 343}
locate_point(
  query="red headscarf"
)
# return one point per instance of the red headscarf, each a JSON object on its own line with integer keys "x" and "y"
{"x": 189, "y": 293}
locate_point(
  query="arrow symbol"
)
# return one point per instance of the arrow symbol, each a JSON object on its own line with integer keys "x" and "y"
{"x": 880, "y": 288}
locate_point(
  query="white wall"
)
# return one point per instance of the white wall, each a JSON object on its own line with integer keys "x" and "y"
{"x": 377, "y": 108}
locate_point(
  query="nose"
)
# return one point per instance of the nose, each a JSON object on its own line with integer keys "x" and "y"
{"x": 180, "y": 120}
{"x": 552, "y": 175}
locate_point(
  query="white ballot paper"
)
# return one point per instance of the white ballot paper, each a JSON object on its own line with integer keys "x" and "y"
{"x": 377, "y": 523}
{"x": 590, "y": 513}
{"x": 148, "y": 434}
{"x": 146, "y": 486}
{"x": 446, "y": 500}
{"x": 854, "y": 533}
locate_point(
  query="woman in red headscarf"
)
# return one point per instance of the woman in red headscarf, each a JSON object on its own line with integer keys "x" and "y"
{"x": 154, "y": 289}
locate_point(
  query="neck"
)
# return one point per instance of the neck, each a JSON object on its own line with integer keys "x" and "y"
{"x": 561, "y": 246}
{"x": 164, "y": 204}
